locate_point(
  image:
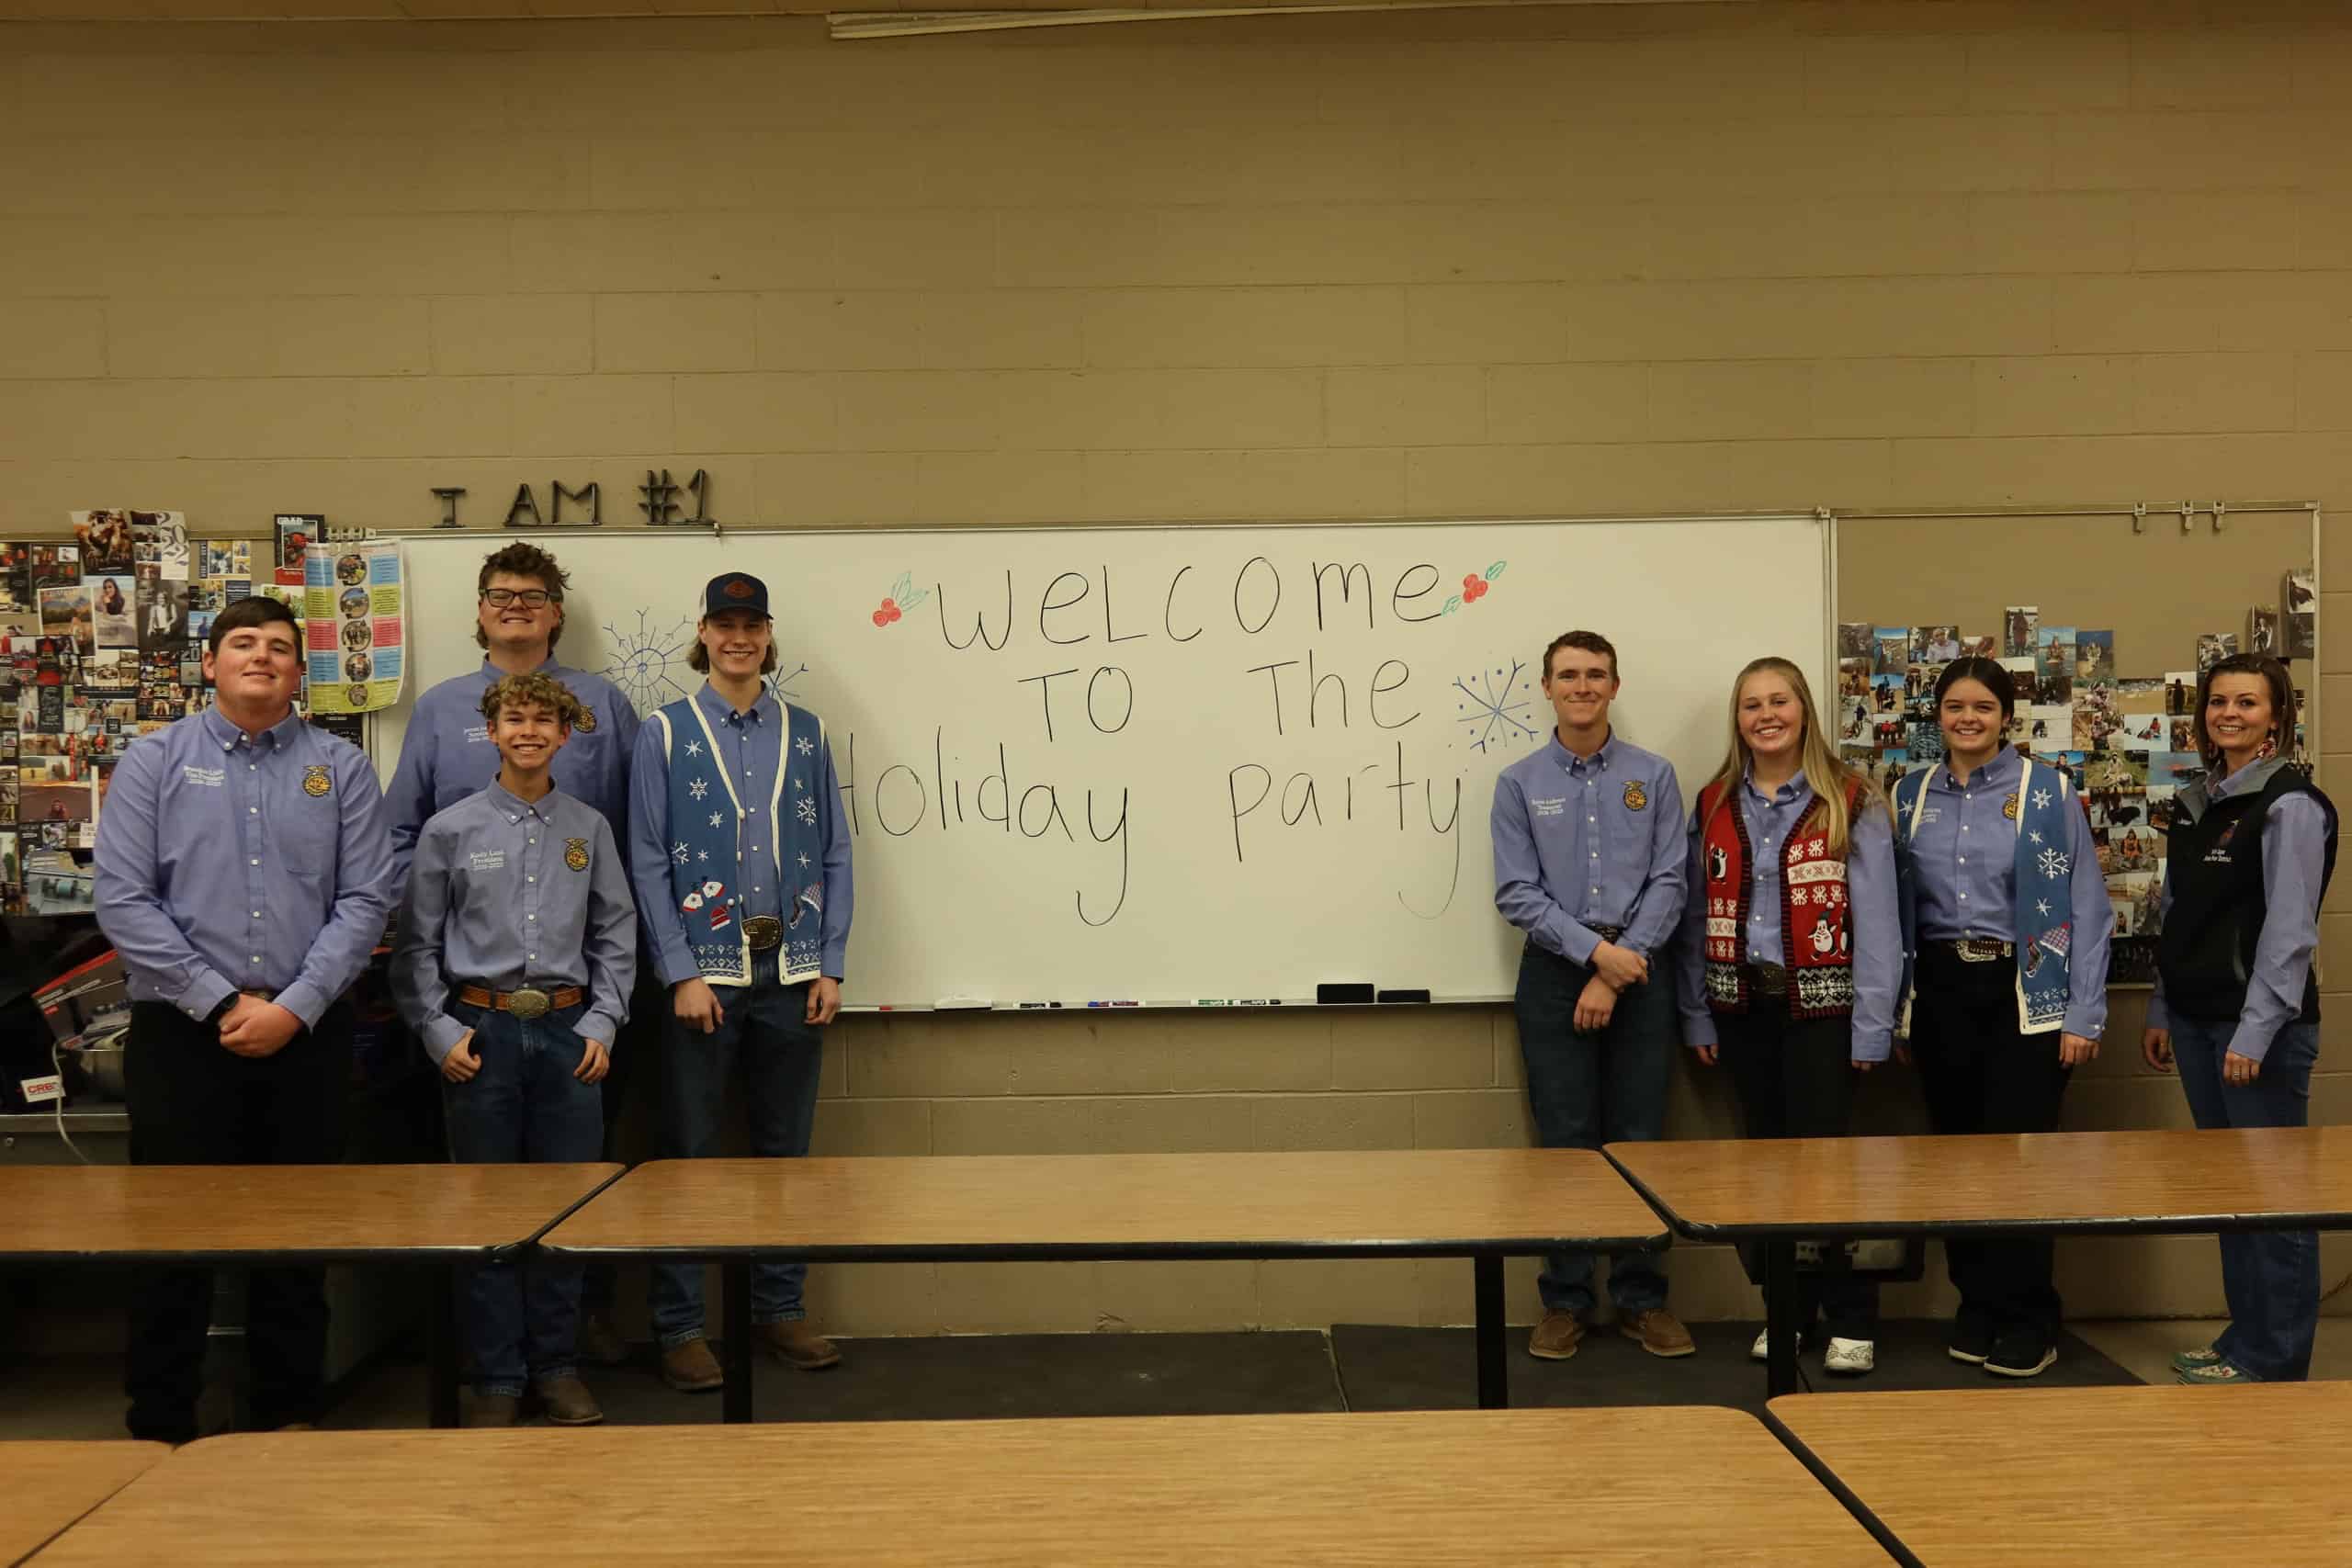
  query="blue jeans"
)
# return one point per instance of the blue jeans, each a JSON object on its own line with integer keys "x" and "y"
{"x": 524, "y": 1105}
{"x": 2270, "y": 1277}
{"x": 766, "y": 1033}
{"x": 1587, "y": 1089}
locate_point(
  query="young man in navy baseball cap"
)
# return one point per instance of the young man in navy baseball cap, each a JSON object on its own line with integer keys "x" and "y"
{"x": 740, "y": 860}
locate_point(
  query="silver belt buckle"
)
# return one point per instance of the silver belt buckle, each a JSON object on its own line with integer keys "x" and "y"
{"x": 764, "y": 932}
{"x": 527, "y": 1003}
{"x": 1979, "y": 950}
{"x": 1771, "y": 979}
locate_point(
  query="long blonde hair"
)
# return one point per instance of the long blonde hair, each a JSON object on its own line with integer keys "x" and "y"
{"x": 1829, "y": 777}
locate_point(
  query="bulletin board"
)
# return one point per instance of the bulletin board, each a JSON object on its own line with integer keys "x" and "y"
{"x": 2143, "y": 598}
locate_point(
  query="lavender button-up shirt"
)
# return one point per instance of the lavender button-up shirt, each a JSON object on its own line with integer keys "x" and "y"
{"x": 1965, "y": 853}
{"x": 1870, "y": 894}
{"x": 447, "y": 754}
{"x": 1585, "y": 841}
{"x": 2293, "y": 842}
{"x": 227, "y": 862}
{"x": 495, "y": 900}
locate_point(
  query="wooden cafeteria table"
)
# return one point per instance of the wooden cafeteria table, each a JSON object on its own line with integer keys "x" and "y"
{"x": 1419, "y": 1489}
{"x": 2019, "y": 1476}
{"x": 46, "y": 1486}
{"x": 435, "y": 1216}
{"x": 1484, "y": 1204}
{"x": 1778, "y": 1192}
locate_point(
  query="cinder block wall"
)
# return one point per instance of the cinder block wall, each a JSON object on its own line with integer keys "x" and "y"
{"x": 1570, "y": 259}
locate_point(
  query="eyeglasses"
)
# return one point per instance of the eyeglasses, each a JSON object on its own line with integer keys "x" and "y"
{"x": 530, "y": 598}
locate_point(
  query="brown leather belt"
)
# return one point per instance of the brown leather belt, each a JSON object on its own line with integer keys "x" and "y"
{"x": 1975, "y": 949}
{"x": 1766, "y": 979}
{"x": 1606, "y": 933}
{"x": 528, "y": 1002}
{"x": 764, "y": 932}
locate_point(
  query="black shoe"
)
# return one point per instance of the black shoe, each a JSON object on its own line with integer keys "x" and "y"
{"x": 2022, "y": 1354}
{"x": 1972, "y": 1339}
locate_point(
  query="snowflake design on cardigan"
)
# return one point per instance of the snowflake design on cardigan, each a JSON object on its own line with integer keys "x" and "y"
{"x": 2041, "y": 798}
{"x": 803, "y": 746}
{"x": 698, "y": 787}
{"x": 2054, "y": 864}
{"x": 715, "y": 817}
{"x": 807, "y": 807}
{"x": 678, "y": 853}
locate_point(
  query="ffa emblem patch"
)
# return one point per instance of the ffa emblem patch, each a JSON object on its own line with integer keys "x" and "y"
{"x": 316, "y": 781}
{"x": 575, "y": 853}
{"x": 2009, "y": 808}
{"x": 587, "y": 721}
{"x": 1636, "y": 797}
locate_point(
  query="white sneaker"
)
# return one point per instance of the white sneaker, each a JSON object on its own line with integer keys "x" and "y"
{"x": 1852, "y": 1356}
{"x": 1763, "y": 1349}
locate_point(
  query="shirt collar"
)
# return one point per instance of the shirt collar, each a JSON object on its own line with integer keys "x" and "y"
{"x": 1599, "y": 760}
{"x": 2254, "y": 775}
{"x": 1795, "y": 789}
{"x": 492, "y": 674}
{"x": 514, "y": 808}
{"x": 716, "y": 706}
{"x": 2003, "y": 769}
{"x": 226, "y": 735}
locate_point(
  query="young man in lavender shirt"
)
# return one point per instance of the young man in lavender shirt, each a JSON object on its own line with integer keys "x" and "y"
{"x": 241, "y": 870}
{"x": 1589, "y": 863}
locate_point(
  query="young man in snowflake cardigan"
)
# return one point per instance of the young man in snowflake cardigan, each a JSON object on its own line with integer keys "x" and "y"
{"x": 741, "y": 864}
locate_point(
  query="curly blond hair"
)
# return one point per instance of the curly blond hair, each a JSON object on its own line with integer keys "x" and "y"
{"x": 533, "y": 689}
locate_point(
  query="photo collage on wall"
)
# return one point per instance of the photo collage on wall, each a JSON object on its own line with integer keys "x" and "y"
{"x": 2125, "y": 741}
{"x": 101, "y": 642}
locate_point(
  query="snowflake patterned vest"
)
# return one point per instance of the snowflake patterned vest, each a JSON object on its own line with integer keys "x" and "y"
{"x": 2041, "y": 887}
{"x": 1815, "y": 937}
{"x": 707, "y": 842}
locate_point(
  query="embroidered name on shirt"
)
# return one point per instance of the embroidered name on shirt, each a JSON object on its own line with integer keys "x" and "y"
{"x": 487, "y": 859}
{"x": 1549, "y": 807}
{"x": 477, "y": 734}
{"x": 212, "y": 778}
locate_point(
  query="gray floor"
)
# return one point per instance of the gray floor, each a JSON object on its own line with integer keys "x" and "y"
{"x": 1360, "y": 1367}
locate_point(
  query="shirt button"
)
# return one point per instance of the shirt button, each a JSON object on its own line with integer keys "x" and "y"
{"x": 257, "y": 914}
{"x": 530, "y": 917}
{"x": 252, "y": 811}
{"x": 1963, "y": 898}
{"x": 256, "y": 859}
{"x": 1963, "y": 860}
{"x": 530, "y": 879}
{"x": 257, "y": 957}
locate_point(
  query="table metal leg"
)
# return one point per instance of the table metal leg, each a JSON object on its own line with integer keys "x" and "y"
{"x": 1780, "y": 1327}
{"x": 441, "y": 1345}
{"x": 735, "y": 1290}
{"x": 1494, "y": 1379}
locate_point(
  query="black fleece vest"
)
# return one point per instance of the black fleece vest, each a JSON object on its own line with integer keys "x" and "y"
{"x": 2206, "y": 951}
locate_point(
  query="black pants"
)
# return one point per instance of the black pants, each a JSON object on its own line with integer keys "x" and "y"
{"x": 1795, "y": 1079}
{"x": 1980, "y": 1075}
{"x": 192, "y": 1102}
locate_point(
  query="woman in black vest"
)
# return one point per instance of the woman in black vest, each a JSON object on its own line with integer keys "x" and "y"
{"x": 2253, "y": 845}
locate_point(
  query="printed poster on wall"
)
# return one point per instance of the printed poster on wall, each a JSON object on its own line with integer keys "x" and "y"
{"x": 356, "y": 625}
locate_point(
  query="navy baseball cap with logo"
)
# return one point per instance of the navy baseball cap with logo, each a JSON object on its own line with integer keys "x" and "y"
{"x": 735, "y": 590}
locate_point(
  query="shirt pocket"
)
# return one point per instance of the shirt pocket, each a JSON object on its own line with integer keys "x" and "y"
{"x": 307, "y": 838}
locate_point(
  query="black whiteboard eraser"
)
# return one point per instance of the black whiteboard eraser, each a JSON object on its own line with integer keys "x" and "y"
{"x": 1329, "y": 992}
{"x": 1405, "y": 995}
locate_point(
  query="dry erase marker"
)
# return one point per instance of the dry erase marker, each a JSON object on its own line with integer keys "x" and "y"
{"x": 1116, "y": 1004}
{"x": 1030, "y": 1007}
{"x": 1259, "y": 1002}
{"x": 1214, "y": 1002}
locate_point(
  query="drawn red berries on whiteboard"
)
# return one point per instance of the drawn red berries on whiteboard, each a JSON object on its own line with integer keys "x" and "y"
{"x": 1474, "y": 588}
{"x": 903, "y": 596}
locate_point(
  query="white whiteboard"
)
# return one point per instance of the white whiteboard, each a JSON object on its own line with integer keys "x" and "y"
{"x": 1173, "y": 839}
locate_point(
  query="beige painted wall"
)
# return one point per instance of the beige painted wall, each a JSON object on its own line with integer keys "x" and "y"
{"x": 1611, "y": 258}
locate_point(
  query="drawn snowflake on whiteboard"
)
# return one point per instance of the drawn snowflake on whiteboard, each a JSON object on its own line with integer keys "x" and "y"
{"x": 1496, "y": 707}
{"x": 780, "y": 679}
{"x": 650, "y": 663}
